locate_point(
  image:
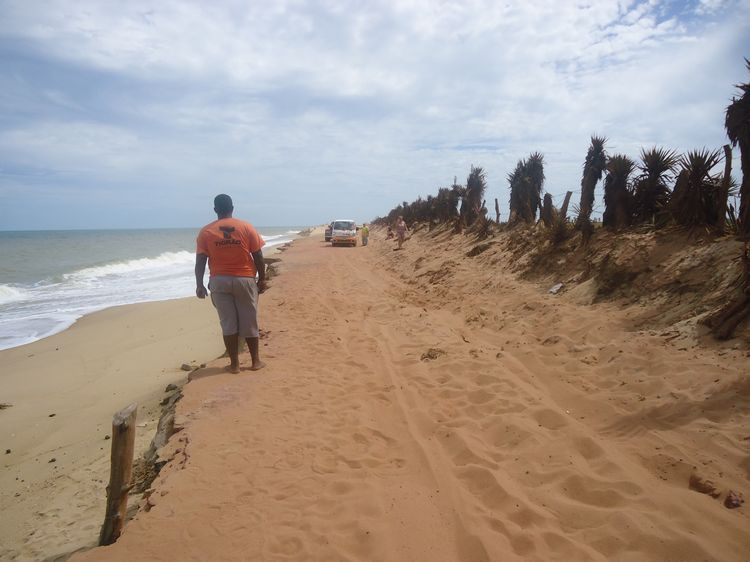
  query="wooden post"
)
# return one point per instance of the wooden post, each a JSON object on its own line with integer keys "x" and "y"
{"x": 721, "y": 217}
{"x": 123, "y": 443}
{"x": 497, "y": 212}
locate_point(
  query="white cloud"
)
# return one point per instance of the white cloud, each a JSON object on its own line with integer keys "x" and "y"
{"x": 72, "y": 147}
{"x": 709, "y": 6}
{"x": 319, "y": 97}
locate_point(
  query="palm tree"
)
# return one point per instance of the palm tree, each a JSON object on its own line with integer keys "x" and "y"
{"x": 476, "y": 185}
{"x": 617, "y": 196}
{"x": 518, "y": 201}
{"x": 694, "y": 201}
{"x": 650, "y": 190}
{"x": 593, "y": 168}
{"x": 446, "y": 204}
{"x": 534, "y": 172}
{"x": 526, "y": 183}
{"x": 737, "y": 123}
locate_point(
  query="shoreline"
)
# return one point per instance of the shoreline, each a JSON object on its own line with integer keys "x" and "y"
{"x": 63, "y": 390}
{"x": 272, "y": 251}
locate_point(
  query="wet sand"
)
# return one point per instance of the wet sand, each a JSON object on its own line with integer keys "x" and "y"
{"x": 64, "y": 390}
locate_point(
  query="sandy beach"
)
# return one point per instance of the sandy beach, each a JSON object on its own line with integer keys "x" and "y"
{"x": 418, "y": 405}
{"x": 63, "y": 391}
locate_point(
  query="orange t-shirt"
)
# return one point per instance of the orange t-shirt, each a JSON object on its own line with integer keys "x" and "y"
{"x": 228, "y": 244}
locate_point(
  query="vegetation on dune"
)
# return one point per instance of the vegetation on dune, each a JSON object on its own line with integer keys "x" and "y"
{"x": 650, "y": 189}
{"x": 634, "y": 195}
{"x": 473, "y": 202}
{"x": 593, "y": 168}
{"x": 445, "y": 204}
{"x": 548, "y": 214}
{"x": 694, "y": 201}
{"x": 526, "y": 183}
{"x": 737, "y": 123}
{"x": 617, "y": 194}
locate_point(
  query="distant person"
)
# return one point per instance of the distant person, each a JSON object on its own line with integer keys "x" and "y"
{"x": 232, "y": 249}
{"x": 401, "y": 230}
{"x": 365, "y": 234}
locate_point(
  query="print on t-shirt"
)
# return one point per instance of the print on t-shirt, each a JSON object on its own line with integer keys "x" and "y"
{"x": 229, "y": 243}
{"x": 227, "y": 231}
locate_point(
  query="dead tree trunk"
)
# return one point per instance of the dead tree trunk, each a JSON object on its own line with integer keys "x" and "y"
{"x": 497, "y": 212}
{"x": 724, "y": 321}
{"x": 560, "y": 230}
{"x": 564, "y": 208}
{"x": 548, "y": 211}
{"x": 721, "y": 217}
{"x": 123, "y": 442}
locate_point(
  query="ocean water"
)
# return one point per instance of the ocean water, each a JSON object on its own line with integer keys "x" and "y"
{"x": 49, "y": 279}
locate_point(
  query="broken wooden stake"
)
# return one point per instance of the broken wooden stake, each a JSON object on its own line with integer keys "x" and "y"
{"x": 123, "y": 444}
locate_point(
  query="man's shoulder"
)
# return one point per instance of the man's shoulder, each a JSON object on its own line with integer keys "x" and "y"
{"x": 206, "y": 228}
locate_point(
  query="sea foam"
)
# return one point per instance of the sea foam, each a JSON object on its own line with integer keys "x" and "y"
{"x": 164, "y": 260}
{"x": 42, "y": 307}
{"x": 11, "y": 294}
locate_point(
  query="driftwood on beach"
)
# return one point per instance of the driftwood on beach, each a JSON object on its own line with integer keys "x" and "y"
{"x": 123, "y": 443}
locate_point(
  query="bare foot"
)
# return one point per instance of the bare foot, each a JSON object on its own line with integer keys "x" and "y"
{"x": 257, "y": 366}
{"x": 234, "y": 369}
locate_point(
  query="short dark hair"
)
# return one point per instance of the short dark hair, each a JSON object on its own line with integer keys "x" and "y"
{"x": 223, "y": 204}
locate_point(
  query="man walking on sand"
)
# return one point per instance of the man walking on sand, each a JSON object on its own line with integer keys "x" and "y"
{"x": 365, "y": 234}
{"x": 232, "y": 249}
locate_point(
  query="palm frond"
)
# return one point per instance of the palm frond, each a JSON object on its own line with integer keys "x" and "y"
{"x": 694, "y": 200}
{"x": 593, "y": 168}
{"x": 650, "y": 189}
{"x": 617, "y": 195}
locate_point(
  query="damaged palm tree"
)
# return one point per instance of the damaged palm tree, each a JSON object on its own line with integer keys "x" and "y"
{"x": 617, "y": 196}
{"x": 476, "y": 185}
{"x": 650, "y": 190}
{"x": 694, "y": 201}
{"x": 560, "y": 229}
{"x": 445, "y": 204}
{"x": 593, "y": 168}
{"x": 526, "y": 183}
{"x": 517, "y": 201}
{"x": 535, "y": 178}
{"x": 737, "y": 123}
{"x": 548, "y": 213}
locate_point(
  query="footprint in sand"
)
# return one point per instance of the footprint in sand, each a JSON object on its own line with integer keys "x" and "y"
{"x": 480, "y": 396}
{"x": 599, "y": 493}
{"x": 550, "y": 419}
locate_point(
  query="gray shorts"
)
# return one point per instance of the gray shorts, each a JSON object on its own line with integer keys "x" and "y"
{"x": 236, "y": 301}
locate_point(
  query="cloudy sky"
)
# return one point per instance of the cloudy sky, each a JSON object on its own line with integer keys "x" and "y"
{"x": 135, "y": 114}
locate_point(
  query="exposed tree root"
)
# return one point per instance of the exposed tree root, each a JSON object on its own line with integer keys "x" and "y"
{"x": 724, "y": 321}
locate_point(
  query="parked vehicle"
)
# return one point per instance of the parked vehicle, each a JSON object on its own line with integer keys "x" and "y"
{"x": 328, "y": 232}
{"x": 344, "y": 233}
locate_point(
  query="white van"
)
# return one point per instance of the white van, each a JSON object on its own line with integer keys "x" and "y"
{"x": 344, "y": 233}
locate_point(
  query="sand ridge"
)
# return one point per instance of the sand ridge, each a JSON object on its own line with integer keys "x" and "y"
{"x": 538, "y": 428}
{"x": 64, "y": 390}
